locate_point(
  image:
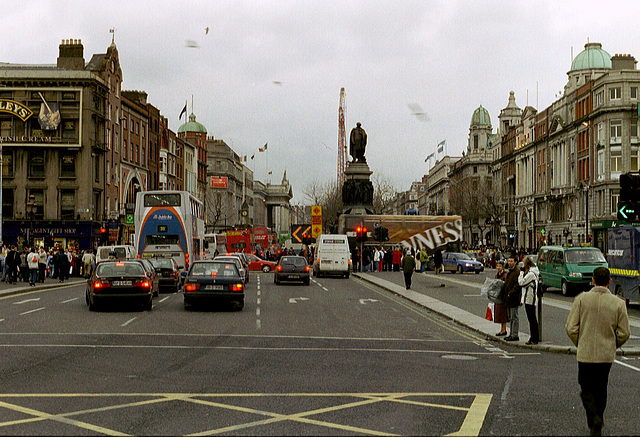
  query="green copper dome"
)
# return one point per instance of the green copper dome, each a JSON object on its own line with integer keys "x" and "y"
{"x": 592, "y": 57}
{"x": 192, "y": 126}
{"x": 480, "y": 117}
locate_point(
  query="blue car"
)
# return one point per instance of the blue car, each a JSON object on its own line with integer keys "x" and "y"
{"x": 460, "y": 262}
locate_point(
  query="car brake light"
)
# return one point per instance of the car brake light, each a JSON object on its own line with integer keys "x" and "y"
{"x": 143, "y": 284}
{"x": 279, "y": 268}
{"x": 99, "y": 285}
{"x": 307, "y": 268}
{"x": 191, "y": 287}
{"x": 237, "y": 287}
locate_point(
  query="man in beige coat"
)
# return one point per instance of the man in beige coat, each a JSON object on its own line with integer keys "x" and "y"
{"x": 598, "y": 324}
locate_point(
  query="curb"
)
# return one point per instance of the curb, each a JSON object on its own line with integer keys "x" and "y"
{"x": 571, "y": 350}
{"x": 27, "y": 289}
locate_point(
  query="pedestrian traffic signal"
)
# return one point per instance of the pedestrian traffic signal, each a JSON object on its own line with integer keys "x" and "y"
{"x": 361, "y": 234}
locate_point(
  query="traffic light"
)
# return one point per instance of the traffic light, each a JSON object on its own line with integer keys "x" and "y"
{"x": 104, "y": 236}
{"x": 307, "y": 239}
{"x": 384, "y": 233}
{"x": 361, "y": 234}
{"x": 628, "y": 205}
{"x": 377, "y": 234}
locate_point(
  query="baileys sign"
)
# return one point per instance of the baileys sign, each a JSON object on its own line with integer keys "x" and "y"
{"x": 15, "y": 108}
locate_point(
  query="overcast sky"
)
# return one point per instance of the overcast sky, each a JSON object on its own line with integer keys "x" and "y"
{"x": 271, "y": 71}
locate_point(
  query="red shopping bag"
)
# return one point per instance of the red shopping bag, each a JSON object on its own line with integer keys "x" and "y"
{"x": 489, "y": 314}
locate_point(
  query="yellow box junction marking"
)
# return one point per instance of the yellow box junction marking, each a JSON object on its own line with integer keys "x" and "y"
{"x": 471, "y": 425}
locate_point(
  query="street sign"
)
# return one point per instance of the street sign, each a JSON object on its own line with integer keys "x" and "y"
{"x": 316, "y": 220}
{"x": 129, "y": 219}
{"x": 299, "y": 231}
{"x": 316, "y": 230}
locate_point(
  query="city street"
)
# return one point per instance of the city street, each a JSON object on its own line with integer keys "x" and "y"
{"x": 338, "y": 357}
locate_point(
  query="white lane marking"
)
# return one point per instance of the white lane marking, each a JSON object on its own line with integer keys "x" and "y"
{"x": 364, "y": 301}
{"x": 128, "y": 321}
{"x": 258, "y": 312}
{"x": 26, "y": 301}
{"x": 258, "y": 324}
{"x": 164, "y": 299}
{"x": 296, "y": 299}
{"x": 70, "y": 300}
{"x": 325, "y": 288}
{"x": 32, "y": 311}
{"x": 1, "y": 320}
{"x": 628, "y": 365}
{"x": 258, "y": 301}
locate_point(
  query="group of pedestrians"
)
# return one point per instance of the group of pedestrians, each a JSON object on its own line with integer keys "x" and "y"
{"x": 35, "y": 265}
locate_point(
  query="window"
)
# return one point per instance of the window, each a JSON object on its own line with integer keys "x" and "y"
{"x": 633, "y": 132}
{"x": 38, "y": 197}
{"x": 615, "y": 197}
{"x": 36, "y": 164}
{"x": 634, "y": 158}
{"x": 96, "y": 168}
{"x": 600, "y": 98}
{"x": 615, "y": 93}
{"x": 124, "y": 123}
{"x": 7, "y": 203}
{"x": 116, "y": 143}
{"x": 67, "y": 204}
{"x": 600, "y": 165}
{"x": 5, "y": 128}
{"x": 615, "y": 129}
{"x": 7, "y": 163}
{"x": 69, "y": 130}
{"x": 616, "y": 159}
{"x": 634, "y": 92}
{"x": 475, "y": 169}
{"x": 67, "y": 165}
{"x": 475, "y": 142}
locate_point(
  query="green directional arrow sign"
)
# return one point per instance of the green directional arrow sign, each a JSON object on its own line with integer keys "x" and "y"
{"x": 626, "y": 211}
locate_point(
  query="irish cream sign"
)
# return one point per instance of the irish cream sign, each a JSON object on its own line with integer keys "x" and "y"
{"x": 15, "y": 108}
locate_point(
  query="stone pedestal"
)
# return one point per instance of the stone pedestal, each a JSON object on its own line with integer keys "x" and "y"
{"x": 357, "y": 191}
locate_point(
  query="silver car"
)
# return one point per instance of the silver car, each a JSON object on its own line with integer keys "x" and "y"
{"x": 244, "y": 271}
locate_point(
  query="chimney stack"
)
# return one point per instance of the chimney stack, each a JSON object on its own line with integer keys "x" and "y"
{"x": 71, "y": 55}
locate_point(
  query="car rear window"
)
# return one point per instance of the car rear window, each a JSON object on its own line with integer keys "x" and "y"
{"x": 119, "y": 269}
{"x": 294, "y": 260}
{"x": 214, "y": 269}
{"x": 162, "y": 263}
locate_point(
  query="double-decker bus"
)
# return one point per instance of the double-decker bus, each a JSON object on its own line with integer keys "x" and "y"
{"x": 169, "y": 224}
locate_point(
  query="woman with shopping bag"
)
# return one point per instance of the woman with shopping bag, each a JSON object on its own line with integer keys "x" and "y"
{"x": 500, "y": 310}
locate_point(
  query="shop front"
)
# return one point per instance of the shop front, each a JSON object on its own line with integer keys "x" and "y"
{"x": 78, "y": 234}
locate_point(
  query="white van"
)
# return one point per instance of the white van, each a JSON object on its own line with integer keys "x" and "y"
{"x": 332, "y": 255}
{"x": 121, "y": 252}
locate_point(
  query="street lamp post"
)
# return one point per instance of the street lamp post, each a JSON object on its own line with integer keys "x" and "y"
{"x": 586, "y": 215}
{"x": 31, "y": 211}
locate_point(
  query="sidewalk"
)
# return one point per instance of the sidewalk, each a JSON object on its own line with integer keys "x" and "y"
{"x": 24, "y": 287}
{"x": 465, "y": 318}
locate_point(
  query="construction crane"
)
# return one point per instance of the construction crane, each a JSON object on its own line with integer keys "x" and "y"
{"x": 342, "y": 141}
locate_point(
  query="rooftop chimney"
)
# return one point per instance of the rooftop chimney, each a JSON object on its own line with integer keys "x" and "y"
{"x": 623, "y": 62}
{"x": 71, "y": 55}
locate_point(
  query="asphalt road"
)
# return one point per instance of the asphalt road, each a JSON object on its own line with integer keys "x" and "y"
{"x": 338, "y": 357}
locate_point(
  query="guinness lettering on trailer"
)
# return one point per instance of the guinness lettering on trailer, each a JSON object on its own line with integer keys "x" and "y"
{"x": 15, "y": 108}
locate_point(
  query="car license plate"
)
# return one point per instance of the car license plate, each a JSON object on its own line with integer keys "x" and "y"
{"x": 122, "y": 283}
{"x": 216, "y": 287}
{"x": 294, "y": 276}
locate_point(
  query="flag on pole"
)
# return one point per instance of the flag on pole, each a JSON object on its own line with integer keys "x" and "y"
{"x": 441, "y": 145}
{"x": 270, "y": 172}
{"x": 429, "y": 157}
{"x": 184, "y": 111}
{"x": 263, "y": 148}
{"x": 244, "y": 158}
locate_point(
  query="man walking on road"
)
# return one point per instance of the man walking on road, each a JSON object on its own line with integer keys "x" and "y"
{"x": 511, "y": 295}
{"x": 598, "y": 324}
{"x": 408, "y": 266}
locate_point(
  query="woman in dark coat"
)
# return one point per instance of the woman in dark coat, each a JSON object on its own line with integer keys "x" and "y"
{"x": 437, "y": 261}
{"x": 500, "y": 311}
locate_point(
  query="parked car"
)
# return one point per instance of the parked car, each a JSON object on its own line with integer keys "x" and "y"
{"x": 212, "y": 282}
{"x": 151, "y": 273}
{"x": 244, "y": 271}
{"x": 168, "y": 273}
{"x": 569, "y": 268}
{"x": 292, "y": 268}
{"x": 460, "y": 262}
{"x": 117, "y": 282}
{"x": 259, "y": 264}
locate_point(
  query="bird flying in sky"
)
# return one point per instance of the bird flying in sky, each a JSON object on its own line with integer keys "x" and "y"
{"x": 417, "y": 110}
{"x": 206, "y": 30}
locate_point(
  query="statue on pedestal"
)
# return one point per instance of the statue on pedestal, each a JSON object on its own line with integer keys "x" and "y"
{"x": 358, "y": 143}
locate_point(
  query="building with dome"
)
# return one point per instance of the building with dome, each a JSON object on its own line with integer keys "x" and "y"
{"x": 196, "y": 134}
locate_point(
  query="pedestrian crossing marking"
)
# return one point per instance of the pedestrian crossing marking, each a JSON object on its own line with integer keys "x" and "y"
{"x": 474, "y": 413}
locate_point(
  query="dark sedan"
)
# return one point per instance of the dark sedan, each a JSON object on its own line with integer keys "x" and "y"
{"x": 214, "y": 281}
{"x": 292, "y": 268}
{"x": 151, "y": 273}
{"x": 168, "y": 273}
{"x": 119, "y": 281}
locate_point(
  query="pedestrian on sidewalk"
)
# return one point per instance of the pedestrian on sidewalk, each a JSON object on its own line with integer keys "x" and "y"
{"x": 437, "y": 260}
{"x": 408, "y": 266}
{"x": 598, "y": 324}
{"x": 396, "y": 260}
{"x": 88, "y": 260}
{"x": 42, "y": 264}
{"x": 32, "y": 263}
{"x": 24, "y": 266}
{"x": 528, "y": 280}
{"x": 377, "y": 257}
{"x": 423, "y": 257}
{"x": 12, "y": 261}
{"x": 500, "y": 308}
{"x": 513, "y": 295}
